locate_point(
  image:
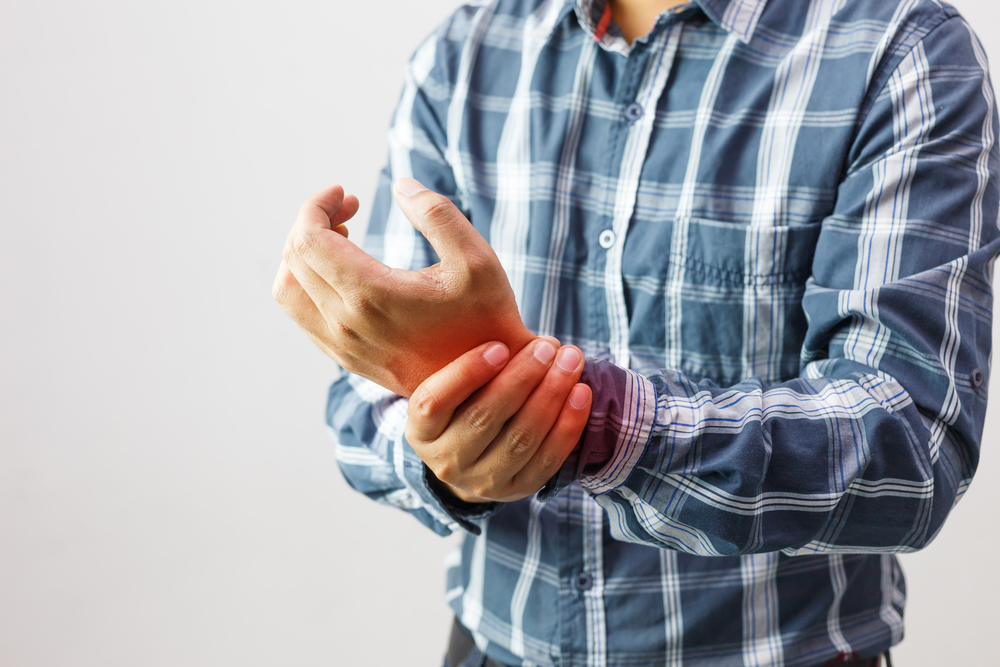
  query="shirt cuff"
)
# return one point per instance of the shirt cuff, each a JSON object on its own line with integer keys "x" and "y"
{"x": 619, "y": 429}
{"x": 465, "y": 514}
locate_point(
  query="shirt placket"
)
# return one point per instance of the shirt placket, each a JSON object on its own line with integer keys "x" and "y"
{"x": 643, "y": 81}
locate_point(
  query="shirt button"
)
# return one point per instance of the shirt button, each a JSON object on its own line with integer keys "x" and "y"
{"x": 978, "y": 377}
{"x": 633, "y": 111}
{"x": 584, "y": 581}
{"x": 606, "y": 239}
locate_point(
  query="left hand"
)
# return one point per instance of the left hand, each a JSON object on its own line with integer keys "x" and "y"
{"x": 392, "y": 326}
{"x": 494, "y": 428}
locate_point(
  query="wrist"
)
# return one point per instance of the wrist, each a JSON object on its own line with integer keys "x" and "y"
{"x": 443, "y": 490}
{"x": 464, "y": 496}
{"x": 466, "y": 514}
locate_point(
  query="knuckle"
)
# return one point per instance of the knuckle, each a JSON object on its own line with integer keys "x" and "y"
{"x": 439, "y": 210}
{"x": 520, "y": 441}
{"x": 424, "y": 403}
{"x": 445, "y": 472}
{"x": 549, "y": 462}
{"x": 479, "y": 418}
{"x": 279, "y": 293}
{"x": 302, "y": 244}
{"x": 285, "y": 289}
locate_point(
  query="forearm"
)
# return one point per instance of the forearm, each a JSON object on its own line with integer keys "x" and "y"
{"x": 812, "y": 464}
{"x": 366, "y": 423}
{"x": 869, "y": 447}
{"x": 867, "y": 450}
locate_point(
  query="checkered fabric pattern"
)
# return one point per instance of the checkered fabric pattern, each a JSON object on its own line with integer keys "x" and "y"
{"x": 772, "y": 225}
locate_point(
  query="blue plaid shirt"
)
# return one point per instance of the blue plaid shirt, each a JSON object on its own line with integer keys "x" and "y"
{"x": 772, "y": 226}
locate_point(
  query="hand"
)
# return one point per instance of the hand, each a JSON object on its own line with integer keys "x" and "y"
{"x": 493, "y": 430}
{"x": 286, "y": 289}
{"x": 392, "y": 326}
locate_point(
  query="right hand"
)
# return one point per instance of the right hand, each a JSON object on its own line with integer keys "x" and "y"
{"x": 494, "y": 428}
{"x": 392, "y": 326}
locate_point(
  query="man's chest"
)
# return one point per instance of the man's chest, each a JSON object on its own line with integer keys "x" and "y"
{"x": 684, "y": 182}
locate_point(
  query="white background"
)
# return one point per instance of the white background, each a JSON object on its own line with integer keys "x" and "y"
{"x": 168, "y": 493}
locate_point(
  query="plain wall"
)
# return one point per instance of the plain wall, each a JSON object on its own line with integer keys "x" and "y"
{"x": 168, "y": 493}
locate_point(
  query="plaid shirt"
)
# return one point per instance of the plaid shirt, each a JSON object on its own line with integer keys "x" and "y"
{"x": 772, "y": 225}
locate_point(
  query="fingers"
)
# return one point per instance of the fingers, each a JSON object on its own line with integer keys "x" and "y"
{"x": 317, "y": 250}
{"x": 330, "y": 206}
{"x": 348, "y": 209}
{"x": 321, "y": 293}
{"x": 439, "y": 220}
{"x": 434, "y": 402}
{"x": 288, "y": 292}
{"x": 519, "y": 441}
{"x": 476, "y": 422}
{"x": 327, "y": 201}
{"x": 499, "y": 429}
{"x": 562, "y": 438}
{"x": 522, "y": 434}
{"x": 296, "y": 302}
{"x": 480, "y": 420}
{"x": 332, "y": 203}
{"x": 450, "y": 446}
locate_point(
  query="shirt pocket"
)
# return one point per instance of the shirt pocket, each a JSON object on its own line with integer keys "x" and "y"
{"x": 734, "y": 298}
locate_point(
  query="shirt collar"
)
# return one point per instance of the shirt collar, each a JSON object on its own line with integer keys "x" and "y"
{"x": 736, "y": 16}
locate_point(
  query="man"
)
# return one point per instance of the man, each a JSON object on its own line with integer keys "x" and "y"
{"x": 770, "y": 225}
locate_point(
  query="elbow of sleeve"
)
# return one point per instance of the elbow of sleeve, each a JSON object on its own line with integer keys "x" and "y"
{"x": 901, "y": 499}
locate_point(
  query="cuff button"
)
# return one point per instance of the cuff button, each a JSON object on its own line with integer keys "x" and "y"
{"x": 977, "y": 377}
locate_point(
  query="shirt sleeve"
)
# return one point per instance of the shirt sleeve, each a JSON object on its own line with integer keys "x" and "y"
{"x": 877, "y": 439}
{"x": 366, "y": 421}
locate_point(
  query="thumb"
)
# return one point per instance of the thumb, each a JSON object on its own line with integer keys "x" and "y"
{"x": 435, "y": 216}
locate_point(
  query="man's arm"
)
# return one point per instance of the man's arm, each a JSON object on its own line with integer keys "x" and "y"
{"x": 870, "y": 448}
{"x": 489, "y": 437}
{"x": 366, "y": 420}
{"x": 395, "y": 326}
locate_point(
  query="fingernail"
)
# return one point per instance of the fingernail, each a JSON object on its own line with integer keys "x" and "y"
{"x": 568, "y": 359}
{"x": 409, "y": 187}
{"x": 544, "y": 352}
{"x": 496, "y": 354}
{"x": 578, "y": 397}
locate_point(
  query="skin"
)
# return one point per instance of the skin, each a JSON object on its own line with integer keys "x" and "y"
{"x": 635, "y": 18}
{"x": 391, "y": 326}
{"x": 499, "y": 432}
{"x": 494, "y": 410}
